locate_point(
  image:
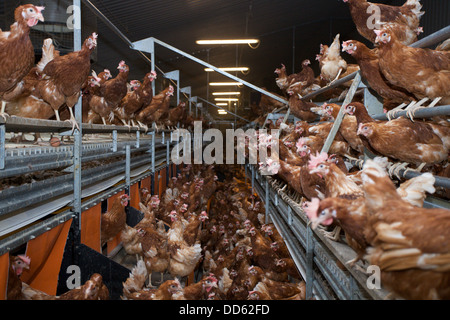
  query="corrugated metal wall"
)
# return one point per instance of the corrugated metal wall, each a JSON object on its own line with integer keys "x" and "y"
{"x": 437, "y": 15}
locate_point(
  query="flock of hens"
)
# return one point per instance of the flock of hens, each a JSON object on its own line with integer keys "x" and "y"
{"x": 382, "y": 219}
{"x": 51, "y": 88}
{"x": 201, "y": 223}
{"x": 218, "y": 227}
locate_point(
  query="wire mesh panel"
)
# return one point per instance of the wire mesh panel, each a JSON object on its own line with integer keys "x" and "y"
{"x": 58, "y": 24}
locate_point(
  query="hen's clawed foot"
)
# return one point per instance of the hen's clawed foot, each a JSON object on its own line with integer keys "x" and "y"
{"x": 333, "y": 235}
{"x": 411, "y": 109}
{"x": 38, "y": 141}
{"x": 418, "y": 169}
{"x": 337, "y": 77}
{"x": 143, "y": 126}
{"x": 134, "y": 125}
{"x": 74, "y": 124}
{"x": 393, "y": 113}
{"x": 3, "y": 114}
{"x": 353, "y": 264}
{"x": 394, "y": 169}
{"x": 358, "y": 162}
{"x": 17, "y": 138}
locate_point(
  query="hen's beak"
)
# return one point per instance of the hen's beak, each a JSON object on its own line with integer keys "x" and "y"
{"x": 378, "y": 33}
{"x": 344, "y": 46}
{"x": 39, "y": 16}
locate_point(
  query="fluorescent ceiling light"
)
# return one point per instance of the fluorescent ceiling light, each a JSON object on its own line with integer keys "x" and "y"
{"x": 225, "y": 84}
{"x": 222, "y": 111}
{"x": 231, "y": 41}
{"x": 228, "y": 69}
{"x": 225, "y": 93}
{"x": 222, "y": 104}
{"x": 226, "y": 99}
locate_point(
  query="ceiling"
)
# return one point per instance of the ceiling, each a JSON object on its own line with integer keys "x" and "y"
{"x": 181, "y": 23}
{"x": 289, "y": 31}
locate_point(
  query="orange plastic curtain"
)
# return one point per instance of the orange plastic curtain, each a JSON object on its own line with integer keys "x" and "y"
{"x": 134, "y": 195}
{"x": 91, "y": 226}
{"x": 174, "y": 170}
{"x": 46, "y": 254}
{"x": 4, "y": 273}
{"x": 162, "y": 182}
{"x": 156, "y": 186}
{"x": 146, "y": 183}
{"x": 111, "y": 245}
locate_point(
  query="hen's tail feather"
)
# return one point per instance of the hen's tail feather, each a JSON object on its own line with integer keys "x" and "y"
{"x": 48, "y": 54}
{"x": 414, "y": 190}
{"x": 29, "y": 293}
{"x": 128, "y": 237}
{"x": 261, "y": 287}
{"x": 225, "y": 281}
{"x": 417, "y": 5}
{"x": 188, "y": 255}
{"x": 444, "y": 46}
{"x": 137, "y": 278}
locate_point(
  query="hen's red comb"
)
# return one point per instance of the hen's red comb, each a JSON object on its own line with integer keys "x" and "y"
{"x": 317, "y": 159}
{"x": 24, "y": 258}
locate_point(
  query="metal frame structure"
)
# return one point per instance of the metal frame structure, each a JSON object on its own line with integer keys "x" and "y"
{"x": 76, "y": 189}
{"x": 373, "y": 106}
{"x": 148, "y": 45}
{"x": 314, "y": 254}
{"x": 317, "y": 258}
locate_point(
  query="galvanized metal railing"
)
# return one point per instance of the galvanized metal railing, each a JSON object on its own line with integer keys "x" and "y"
{"x": 20, "y": 199}
{"x": 318, "y": 259}
{"x": 314, "y": 254}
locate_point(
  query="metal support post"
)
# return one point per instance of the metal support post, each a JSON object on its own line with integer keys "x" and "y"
{"x": 77, "y": 147}
{"x": 246, "y": 172}
{"x": 138, "y": 138}
{"x": 267, "y": 202}
{"x": 309, "y": 262}
{"x": 114, "y": 137}
{"x": 128, "y": 168}
{"x": 2, "y": 146}
{"x": 340, "y": 116}
{"x": 153, "y": 152}
{"x": 167, "y": 161}
{"x": 290, "y": 219}
{"x": 153, "y": 163}
{"x": 253, "y": 179}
